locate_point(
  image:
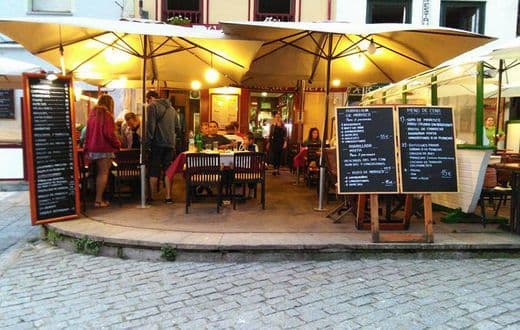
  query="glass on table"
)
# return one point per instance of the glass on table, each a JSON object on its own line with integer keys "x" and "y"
{"x": 208, "y": 146}
{"x": 215, "y": 145}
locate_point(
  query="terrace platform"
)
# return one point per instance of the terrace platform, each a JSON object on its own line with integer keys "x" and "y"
{"x": 287, "y": 228}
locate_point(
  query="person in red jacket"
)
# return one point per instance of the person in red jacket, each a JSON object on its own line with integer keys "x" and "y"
{"x": 100, "y": 144}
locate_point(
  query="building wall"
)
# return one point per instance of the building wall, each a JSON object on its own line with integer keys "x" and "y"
{"x": 313, "y": 10}
{"x": 227, "y": 10}
{"x": 500, "y": 18}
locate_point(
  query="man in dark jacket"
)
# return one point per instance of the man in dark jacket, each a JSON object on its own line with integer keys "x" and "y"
{"x": 160, "y": 138}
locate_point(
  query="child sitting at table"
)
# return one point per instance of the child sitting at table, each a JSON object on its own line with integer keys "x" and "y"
{"x": 248, "y": 143}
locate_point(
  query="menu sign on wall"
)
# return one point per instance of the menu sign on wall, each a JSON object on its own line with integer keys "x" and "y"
{"x": 6, "y": 104}
{"x": 366, "y": 150}
{"x": 427, "y": 149}
{"x": 375, "y": 141}
{"x": 50, "y": 149}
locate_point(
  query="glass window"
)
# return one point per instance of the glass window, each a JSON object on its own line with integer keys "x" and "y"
{"x": 463, "y": 15}
{"x": 189, "y": 9}
{"x": 57, "y": 6}
{"x": 279, "y": 10}
{"x": 184, "y": 5}
{"x": 389, "y": 11}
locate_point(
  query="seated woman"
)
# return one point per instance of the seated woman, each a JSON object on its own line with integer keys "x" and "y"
{"x": 313, "y": 139}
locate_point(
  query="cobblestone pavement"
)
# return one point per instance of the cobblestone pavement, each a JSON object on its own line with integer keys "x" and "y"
{"x": 46, "y": 287}
{"x": 15, "y": 223}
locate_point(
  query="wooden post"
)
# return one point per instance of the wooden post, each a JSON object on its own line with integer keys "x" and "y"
{"x": 428, "y": 218}
{"x": 374, "y": 217}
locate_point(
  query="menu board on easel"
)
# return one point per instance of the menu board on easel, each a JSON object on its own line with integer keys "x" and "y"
{"x": 50, "y": 148}
{"x": 375, "y": 141}
{"x": 366, "y": 150}
{"x": 427, "y": 149}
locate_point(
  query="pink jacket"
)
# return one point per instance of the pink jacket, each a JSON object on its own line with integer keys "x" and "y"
{"x": 100, "y": 135}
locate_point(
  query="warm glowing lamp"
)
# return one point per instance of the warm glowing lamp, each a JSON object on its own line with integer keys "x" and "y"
{"x": 264, "y": 94}
{"x": 336, "y": 82}
{"x": 211, "y": 75}
{"x": 357, "y": 61}
{"x": 51, "y": 76}
{"x": 195, "y": 85}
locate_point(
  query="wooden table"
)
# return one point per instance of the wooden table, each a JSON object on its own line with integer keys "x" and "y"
{"x": 514, "y": 170}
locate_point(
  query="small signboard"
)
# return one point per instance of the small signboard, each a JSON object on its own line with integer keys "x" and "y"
{"x": 7, "y": 104}
{"x": 427, "y": 149}
{"x": 366, "y": 150}
{"x": 50, "y": 148}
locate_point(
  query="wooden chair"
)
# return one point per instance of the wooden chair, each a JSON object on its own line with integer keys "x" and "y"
{"x": 203, "y": 170}
{"x": 126, "y": 170}
{"x": 491, "y": 191}
{"x": 83, "y": 180}
{"x": 312, "y": 161}
{"x": 249, "y": 168}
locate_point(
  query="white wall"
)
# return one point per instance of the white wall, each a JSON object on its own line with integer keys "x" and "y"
{"x": 88, "y": 8}
{"x": 353, "y": 11}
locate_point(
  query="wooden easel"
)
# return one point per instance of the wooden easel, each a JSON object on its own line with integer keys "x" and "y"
{"x": 426, "y": 237}
{"x": 402, "y": 224}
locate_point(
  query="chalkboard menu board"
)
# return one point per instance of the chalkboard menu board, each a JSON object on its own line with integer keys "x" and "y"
{"x": 50, "y": 149}
{"x": 366, "y": 150}
{"x": 6, "y": 104}
{"x": 427, "y": 149}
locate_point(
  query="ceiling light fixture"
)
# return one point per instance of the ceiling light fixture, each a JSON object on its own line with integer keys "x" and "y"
{"x": 51, "y": 76}
{"x": 195, "y": 85}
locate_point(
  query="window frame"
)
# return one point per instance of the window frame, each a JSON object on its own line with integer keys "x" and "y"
{"x": 481, "y": 5}
{"x": 291, "y": 14}
{"x": 165, "y": 11}
{"x": 408, "y": 4}
{"x": 32, "y": 11}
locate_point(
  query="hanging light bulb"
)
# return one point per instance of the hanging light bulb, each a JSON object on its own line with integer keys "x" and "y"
{"x": 357, "y": 61}
{"x": 371, "y": 49}
{"x": 336, "y": 82}
{"x": 211, "y": 74}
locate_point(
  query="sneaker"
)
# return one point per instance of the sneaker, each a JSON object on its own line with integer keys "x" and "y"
{"x": 168, "y": 201}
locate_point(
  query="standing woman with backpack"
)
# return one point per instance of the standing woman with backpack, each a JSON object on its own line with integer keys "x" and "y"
{"x": 277, "y": 141}
{"x": 101, "y": 142}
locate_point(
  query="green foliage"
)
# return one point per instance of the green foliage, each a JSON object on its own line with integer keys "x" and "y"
{"x": 88, "y": 246}
{"x": 178, "y": 20}
{"x": 53, "y": 237}
{"x": 168, "y": 253}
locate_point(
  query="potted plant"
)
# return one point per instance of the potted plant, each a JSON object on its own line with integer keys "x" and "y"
{"x": 179, "y": 20}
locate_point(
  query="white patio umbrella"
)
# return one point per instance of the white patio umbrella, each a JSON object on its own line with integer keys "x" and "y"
{"x": 457, "y": 76}
{"x": 99, "y": 51}
{"x": 359, "y": 54}
{"x": 11, "y": 72}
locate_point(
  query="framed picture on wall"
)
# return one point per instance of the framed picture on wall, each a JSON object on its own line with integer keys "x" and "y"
{"x": 224, "y": 108}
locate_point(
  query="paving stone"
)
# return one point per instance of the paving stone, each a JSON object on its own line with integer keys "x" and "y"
{"x": 46, "y": 287}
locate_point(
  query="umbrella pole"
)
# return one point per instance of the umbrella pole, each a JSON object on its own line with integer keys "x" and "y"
{"x": 499, "y": 98}
{"x": 143, "y": 125}
{"x": 322, "y": 193}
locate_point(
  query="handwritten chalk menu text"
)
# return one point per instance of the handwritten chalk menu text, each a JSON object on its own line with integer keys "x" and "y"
{"x": 427, "y": 149}
{"x": 366, "y": 150}
{"x": 6, "y": 104}
{"x": 52, "y": 175}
